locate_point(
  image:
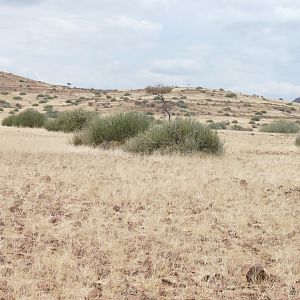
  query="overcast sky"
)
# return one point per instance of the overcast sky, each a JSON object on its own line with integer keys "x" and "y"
{"x": 250, "y": 46}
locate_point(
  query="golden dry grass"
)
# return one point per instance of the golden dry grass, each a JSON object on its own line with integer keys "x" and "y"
{"x": 78, "y": 223}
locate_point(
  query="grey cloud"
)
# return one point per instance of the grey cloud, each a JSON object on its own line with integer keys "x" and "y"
{"x": 248, "y": 45}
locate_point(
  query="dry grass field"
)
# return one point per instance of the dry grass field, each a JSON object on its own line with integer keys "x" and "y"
{"x": 77, "y": 223}
{"x": 84, "y": 223}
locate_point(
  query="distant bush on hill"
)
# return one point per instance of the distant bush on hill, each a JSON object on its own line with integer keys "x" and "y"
{"x": 70, "y": 121}
{"x": 231, "y": 95}
{"x": 158, "y": 89}
{"x": 281, "y": 126}
{"x": 27, "y": 118}
{"x": 179, "y": 135}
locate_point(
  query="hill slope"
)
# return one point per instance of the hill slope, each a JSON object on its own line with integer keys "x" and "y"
{"x": 202, "y": 103}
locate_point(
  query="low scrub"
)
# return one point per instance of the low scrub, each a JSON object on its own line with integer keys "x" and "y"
{"x": 70, "y": 121}
{"x": 114, "y": 128}
{"x": 179, "y": 135}
{"x": 297, "y": 142}
{"x": 27, "y": 118}
{"x": 237, "y": 127}
{"x": 158, "y": 89}
{"x": 281, "y": 126}
{"x": 218, "y": 126}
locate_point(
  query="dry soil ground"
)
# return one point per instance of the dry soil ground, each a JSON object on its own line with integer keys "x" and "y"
{"x": 80, "y": 223}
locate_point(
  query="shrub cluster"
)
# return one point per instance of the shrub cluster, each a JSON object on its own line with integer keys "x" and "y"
{"x": 70, "y": 121}
{"x": 297, "y": 142}
{"x": 113, "y": 128}
{"x": 179, "y": 135}
{"x": 281, "y": 126}
{"x": 27, "y": 118}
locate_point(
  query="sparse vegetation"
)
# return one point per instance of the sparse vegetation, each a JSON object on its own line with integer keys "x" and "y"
{"x": 297, "y": 141}
{"x": 179, "y": 135}
{"x": 281, "y": 126}
{"x": 17, "y": 98}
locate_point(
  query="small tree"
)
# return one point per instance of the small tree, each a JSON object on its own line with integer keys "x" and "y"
{"x": 159, "y": 91}
{"x": 167, "y": 106}
{"x": 69, "y": 84}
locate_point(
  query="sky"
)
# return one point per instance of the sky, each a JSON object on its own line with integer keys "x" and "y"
{"x": 247, "y": 46}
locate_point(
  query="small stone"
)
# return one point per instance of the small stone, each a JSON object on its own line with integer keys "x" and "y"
{"x": 46, "y": 178}
{"x": 116, "y": 208}
{"x": 243, "y": 183}
{"x": 95, "y": 293}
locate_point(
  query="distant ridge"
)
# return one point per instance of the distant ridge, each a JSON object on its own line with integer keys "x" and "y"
{"x": 297, "y": 100}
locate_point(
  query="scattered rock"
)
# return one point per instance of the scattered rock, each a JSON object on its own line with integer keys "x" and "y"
{"x": 7, "y": 272}
{"x": 256, "y": 274}
{"x": 54, "y": 220}
{"x": 96, "y": 292}
{"x": 116, "y": 208}
{"x": 168, "y": 282}
{"x": 46, "y": 178}
{"x": 243, "y": 183}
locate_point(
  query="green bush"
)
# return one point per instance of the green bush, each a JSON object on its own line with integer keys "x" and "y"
{"x": 4, "y": 104}
{"x": 17, "y": 98}
{"x": 70, "y": 121}
{"x": 8, "y": 121}
{"x": 281, "y": 126}
{"x": 113, "y": 128}
{"x": 179, "y": 135}
{"x": 27, "y": 118}
{"x": 218, "y": 126}
{"x": 48, "y": 107}
{"x": 255, "y": 118}
{"x": 239, "y": 128}
{"x": 231, "y": 95}
{"x": 297, "y": 142}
